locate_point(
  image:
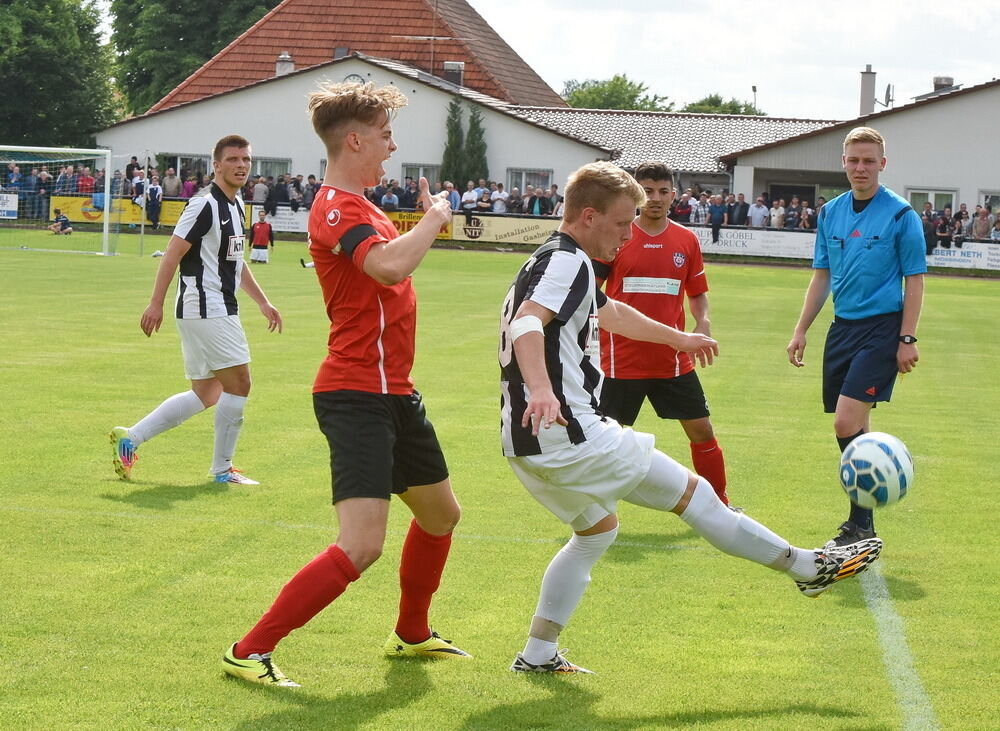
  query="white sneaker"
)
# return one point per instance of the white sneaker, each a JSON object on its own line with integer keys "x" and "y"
{"x": 234, "y": 476}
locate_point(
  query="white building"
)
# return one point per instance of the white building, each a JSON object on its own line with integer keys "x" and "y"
{"x": 940, "y": 149}
{"x": 272, "y": 115}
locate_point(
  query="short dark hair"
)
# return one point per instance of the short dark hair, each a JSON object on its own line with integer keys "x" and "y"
{"x": 654, "y": 171}
{"x": 229, "y": 141}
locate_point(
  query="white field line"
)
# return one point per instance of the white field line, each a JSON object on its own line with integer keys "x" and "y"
{"x": 914, "y": 705}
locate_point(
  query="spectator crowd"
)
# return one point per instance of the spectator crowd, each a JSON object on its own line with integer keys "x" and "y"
{"x": 146, "y": 187}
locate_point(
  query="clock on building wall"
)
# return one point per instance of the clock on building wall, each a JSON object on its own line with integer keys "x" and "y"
{"x": 354, "y": 79}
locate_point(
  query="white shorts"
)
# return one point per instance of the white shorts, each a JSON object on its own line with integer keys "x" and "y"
{"x": 258, "y": 254}
{"x": 212, "y": 344}
{"x": 583, "y": 483}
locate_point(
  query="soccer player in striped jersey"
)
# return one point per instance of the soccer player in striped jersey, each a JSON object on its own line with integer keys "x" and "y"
{"x": 577, "y": 462}
{"x": 870, "y": 253}
{"x": 653, "y": 271}
{"x": 381, "y": 441}
{"x": 207, "y": 245}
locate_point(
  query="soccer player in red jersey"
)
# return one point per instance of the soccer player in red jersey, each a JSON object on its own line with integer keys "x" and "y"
{"x": 261, "y": 235}
{"x": 381, "y": 442}
{"x": 652, "y": 272}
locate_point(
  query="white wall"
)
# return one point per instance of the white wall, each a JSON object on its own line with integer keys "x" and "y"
{"x": 948, "y": 144}
{"x": 273, "y": 117}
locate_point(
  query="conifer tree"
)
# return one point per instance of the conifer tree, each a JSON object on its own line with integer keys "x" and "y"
{"x": 452, "y": 163}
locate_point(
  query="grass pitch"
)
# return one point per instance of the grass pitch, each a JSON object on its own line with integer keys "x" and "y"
{"x": 121, "y": 597}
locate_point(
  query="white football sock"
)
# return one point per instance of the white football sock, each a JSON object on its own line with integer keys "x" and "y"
{"x": 174, "y": 411}
{"x": 740, "y": 535}
{"x": 563, "y": 585}
{"x": 228, "y": 421}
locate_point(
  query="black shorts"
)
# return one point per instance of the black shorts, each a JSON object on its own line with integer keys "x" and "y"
{"x": 380, "y": 444}
{"x": 672, "y": 398}
{"x": 859, "y": 359}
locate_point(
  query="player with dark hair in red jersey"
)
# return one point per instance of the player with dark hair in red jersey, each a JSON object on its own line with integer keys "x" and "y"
{"x": 381, "y": 442}
{"x": 652, "y": 272}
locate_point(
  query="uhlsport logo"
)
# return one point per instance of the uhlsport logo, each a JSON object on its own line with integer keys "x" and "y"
{"x": 679, "y": 259}
{"x": 473, "y": 228}
{"x": 333, "y": 217}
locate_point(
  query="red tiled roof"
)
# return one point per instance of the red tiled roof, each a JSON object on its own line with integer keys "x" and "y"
{"x": 310, "y": 30}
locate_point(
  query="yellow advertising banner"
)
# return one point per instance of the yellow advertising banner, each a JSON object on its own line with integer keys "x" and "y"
{"x": 406, "y": 220}
{"x": 503, "y": 229}
{"x": 82, "y": 209}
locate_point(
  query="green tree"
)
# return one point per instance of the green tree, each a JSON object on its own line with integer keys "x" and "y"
{"x": 474, "y": 154}
{"x": 56, "y": 73}
{"x": 452, "y": 162}
{"x": 159, "y": 43}
{"x": 618, "y": 92}
{"x": 713, "y": 104}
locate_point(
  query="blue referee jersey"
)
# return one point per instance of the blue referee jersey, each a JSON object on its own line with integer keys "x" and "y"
{"x": 869, "y": 253}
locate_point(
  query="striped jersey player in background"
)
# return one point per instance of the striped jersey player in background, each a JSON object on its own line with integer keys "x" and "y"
{"x": 207, "y": 245}
{"x": 577, "y": 462}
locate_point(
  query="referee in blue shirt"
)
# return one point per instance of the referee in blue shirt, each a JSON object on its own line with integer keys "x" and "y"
{"x": 870, "y": 254}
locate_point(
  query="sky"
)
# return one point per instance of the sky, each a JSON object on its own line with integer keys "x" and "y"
{"x": 806, "y": 63}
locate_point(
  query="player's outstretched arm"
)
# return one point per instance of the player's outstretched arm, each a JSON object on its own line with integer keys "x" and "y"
{"x": 152, "y": 316}
{"x": 816, "y": 294}
{"x": 248, "y": 283}
{"x": 618, "y": 317}
{"x": 529, "y": 349}
{"x": 393, "y": 261}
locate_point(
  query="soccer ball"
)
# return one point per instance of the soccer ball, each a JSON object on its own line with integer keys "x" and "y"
{"x": 876, "y": 470}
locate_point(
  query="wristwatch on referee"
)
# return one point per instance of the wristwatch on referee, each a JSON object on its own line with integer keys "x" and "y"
{"x": 908, "y": 339}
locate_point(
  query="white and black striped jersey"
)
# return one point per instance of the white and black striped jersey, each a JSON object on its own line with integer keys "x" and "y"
{"x": 558, "y": 276}
{"x": 211, "y": 269}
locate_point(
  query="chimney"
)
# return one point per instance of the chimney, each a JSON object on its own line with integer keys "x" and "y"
{"x": 867, "y": 91}
{"x": 943, "y": 82}
{"x": 284, "y": 64}
{"x": 341, "y": 52}
{"x": 454, "y": 71}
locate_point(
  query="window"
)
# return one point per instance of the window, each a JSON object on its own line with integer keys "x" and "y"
{"x": 186, "y": 166}
{"x": 939, "y": 199}
{"x": 521, "y": 177}
{"x": 268, "y": 166}
{"x": 990, "y": 199}
{"x": 417, "y": 171}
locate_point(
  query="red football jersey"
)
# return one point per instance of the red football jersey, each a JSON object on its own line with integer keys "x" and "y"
{"x": 372, "y": 326}
{"x": 652, "y": 273}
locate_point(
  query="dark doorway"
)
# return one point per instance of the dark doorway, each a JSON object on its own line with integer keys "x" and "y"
{"x": 804, "y": 192}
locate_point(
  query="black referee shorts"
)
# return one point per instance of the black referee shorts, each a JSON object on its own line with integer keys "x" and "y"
{"x": 380, "y": 444}
{"x": 680, "y": 398}
{"x": 859, "y": 359}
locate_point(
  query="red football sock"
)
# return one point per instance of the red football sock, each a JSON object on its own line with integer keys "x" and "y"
{"x": 710, "y": 464}
{"x": 306, "y": 594}
{"x": 420, "y": 568}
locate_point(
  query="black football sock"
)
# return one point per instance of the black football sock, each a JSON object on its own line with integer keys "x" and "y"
{"x": 861, "y": 517}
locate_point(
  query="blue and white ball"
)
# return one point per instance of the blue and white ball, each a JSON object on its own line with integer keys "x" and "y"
{"x": 876, "y": 470}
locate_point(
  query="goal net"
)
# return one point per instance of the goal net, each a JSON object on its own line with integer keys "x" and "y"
{"x": 61, "y": 199}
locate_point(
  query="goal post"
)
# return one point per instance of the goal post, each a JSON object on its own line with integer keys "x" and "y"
{"x": 31, "y": 178}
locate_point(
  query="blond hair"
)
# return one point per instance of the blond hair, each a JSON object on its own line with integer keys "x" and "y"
{"x": 334, "y": 106}
{"x": 865, "y": 134}
{"x": 596, "y": 185}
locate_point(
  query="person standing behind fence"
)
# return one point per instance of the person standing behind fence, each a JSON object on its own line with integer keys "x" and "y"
{"x": 154, "y": 201}
{"x": 718, "y": 216}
